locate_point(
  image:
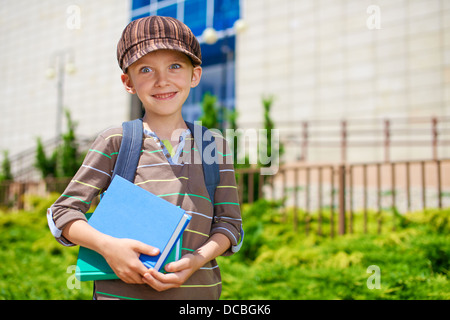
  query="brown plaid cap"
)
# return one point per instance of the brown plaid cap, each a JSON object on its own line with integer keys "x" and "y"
{"x": 152, "y": 33}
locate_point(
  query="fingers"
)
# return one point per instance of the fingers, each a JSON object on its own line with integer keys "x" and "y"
{"x": 177, "y": 266}
{"x": 124, "y": 259}
{"x": 180, "y": 270}
{"x": 160, "y": 281}
{"x": 132, "y": 272}
{"x": 145, "y": 249}
{"x": 136, "y": 268}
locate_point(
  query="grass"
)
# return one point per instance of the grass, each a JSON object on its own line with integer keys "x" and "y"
{"x": 33, "y": 265}
{"x": 278, "y": 263}
{"x": 274, "y": 263}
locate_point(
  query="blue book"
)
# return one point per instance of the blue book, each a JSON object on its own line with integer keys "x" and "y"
{"x": 128, "y": 211}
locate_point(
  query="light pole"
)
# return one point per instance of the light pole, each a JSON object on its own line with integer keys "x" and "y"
{"x": 61, "y": 62}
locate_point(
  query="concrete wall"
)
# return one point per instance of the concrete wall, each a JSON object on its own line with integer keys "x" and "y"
{"x": 327, "y": 59}
{"x": 32, "y": 35}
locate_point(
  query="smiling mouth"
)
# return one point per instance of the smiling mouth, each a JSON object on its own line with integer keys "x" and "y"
{"x": 164, "y": 96}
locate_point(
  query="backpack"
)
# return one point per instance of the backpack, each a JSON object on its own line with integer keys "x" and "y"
{"x": 130, "y": 151}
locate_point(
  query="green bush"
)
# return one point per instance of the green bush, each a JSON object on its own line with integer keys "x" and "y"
{"x": 278, "y": 263}
{"x": 274, "y": 263}
{"x": 34, "y": 265}
{"x": 5, "y": 169}
{"x": 65, "y": 160}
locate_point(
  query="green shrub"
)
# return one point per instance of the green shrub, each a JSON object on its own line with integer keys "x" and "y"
{"x": 5, "y": 170}
{"x": 275, "y": 262}
{"x": 65, "y": 160}
{"x": 35, "y": 265}
{"x": 279, "y": 263}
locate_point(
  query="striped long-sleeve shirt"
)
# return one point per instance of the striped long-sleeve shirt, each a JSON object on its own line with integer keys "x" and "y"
{"x": 179, "y": 180}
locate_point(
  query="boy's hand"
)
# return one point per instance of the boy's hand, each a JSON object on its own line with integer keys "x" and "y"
{"x": 122, "y": 256}
{"x": 187, "y": 265}
{"x": 181, "y": 271}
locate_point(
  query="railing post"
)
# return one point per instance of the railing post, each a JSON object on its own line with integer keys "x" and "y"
{"x": 307, "y": 200}
{"x": 250, "y": 190}
{"x": 393, "y": 196}
{"x": 439, "y": 183}
{"x": 435, "y": 137}
{"x": 305, "y": 141}
{"x": 295, "y": 213}
{"x": 408, "y": 186}
{"x": 20, "y": 195}
{"x": 424, "y": 191}
{"x": 387, "y": 139}
{"x": 344, "y": 141}
{"x": 342, "y": 222}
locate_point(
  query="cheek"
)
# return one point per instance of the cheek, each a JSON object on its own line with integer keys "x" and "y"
{"x": 143, "y": 86}
{"x": 184, "y": 82}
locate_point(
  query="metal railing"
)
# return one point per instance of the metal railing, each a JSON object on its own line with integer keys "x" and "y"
{"x": 343, "y": 189}
{"x": 23, "y": 164}
{"x": 388, "y": 139}
{"x": 337, "y": 190}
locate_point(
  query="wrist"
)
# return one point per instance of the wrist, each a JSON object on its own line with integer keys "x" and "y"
{"x": 198, "y": 259}
{"x": 104, "y": 244}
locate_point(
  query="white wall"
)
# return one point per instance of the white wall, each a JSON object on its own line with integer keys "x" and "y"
{"x": 321, "y": 61}
{"x": 32, "y": 32}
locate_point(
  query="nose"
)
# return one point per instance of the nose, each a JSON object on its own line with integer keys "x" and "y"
{"x": 161, "y": 79}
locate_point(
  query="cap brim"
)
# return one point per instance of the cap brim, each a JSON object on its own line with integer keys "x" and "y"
{"x": 145, "y": 47}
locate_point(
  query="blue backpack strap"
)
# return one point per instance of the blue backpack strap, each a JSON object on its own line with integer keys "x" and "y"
{"x": 130, "y": 150}
{"x": 205, "y": 141}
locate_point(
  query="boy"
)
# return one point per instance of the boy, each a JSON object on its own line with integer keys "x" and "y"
{"x": 160, "y": 59}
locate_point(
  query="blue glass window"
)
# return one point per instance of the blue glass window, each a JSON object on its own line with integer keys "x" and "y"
{"x": 170, "y": 11}
{"x": 225, "y": 14}
{"x": 195, "y": 15}
{"x": 139, "y": 4}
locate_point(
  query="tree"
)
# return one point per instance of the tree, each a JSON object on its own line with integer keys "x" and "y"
{"x": 269, "y": 126}
{"x": 68, "y": 159}
{"x": 47, "y": 166}
{"x": 65, "y": 159}
{"x": 6, "y": 174}
{"x": 210, "y": 117}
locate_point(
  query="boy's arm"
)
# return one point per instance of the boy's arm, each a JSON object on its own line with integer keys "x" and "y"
{"x": 188, "y": 264}
{"x": 227, "y": 214}
{"x": 121, "y": 254}
{"x": 91, "y": 179}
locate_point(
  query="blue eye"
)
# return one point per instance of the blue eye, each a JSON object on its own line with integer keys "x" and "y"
{"x": 146, "y": 70}
{"x": 175, "y": 66}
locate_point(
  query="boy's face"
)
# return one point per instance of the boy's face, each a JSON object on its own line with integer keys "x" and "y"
{"x": 162, "y": 80}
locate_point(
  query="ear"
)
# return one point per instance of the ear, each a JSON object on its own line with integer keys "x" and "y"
{"x": 127, "y": 83}
{"x": 196, "y": 76}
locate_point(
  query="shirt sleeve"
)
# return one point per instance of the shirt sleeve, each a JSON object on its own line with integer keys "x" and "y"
{"x": 91, "y": 180}
{"x": 227, "y": 213}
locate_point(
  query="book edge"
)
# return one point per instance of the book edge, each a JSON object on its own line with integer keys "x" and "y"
{"x": 175, "y": 235}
